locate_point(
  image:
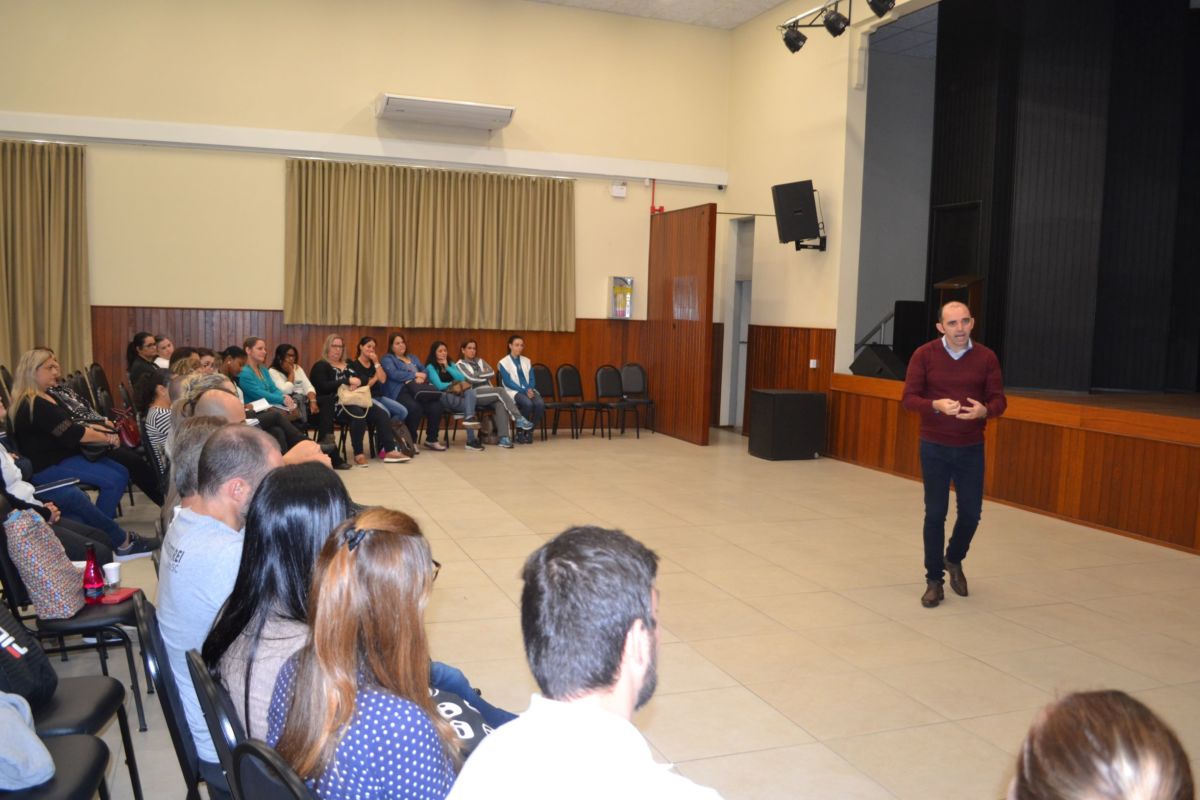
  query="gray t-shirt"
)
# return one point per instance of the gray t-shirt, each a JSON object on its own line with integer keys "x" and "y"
{"x": 200, "y": 558}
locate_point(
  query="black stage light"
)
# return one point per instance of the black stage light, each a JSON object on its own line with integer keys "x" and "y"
{"x": 835, "y": 23}
{"x": 793, "y": 38}
{"x": 881, "y": 7}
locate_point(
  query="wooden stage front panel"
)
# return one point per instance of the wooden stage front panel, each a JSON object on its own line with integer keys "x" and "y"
{"x": 1132, "y": 472}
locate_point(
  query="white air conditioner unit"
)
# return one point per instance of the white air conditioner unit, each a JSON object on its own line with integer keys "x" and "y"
{"x": 456, "y": 113}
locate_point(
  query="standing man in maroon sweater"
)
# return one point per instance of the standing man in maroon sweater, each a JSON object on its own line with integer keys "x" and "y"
{"x": 955, "y": 385}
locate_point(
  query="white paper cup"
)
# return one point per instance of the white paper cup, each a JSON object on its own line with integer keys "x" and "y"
{"x": 79, "y": 565}
{"x": 112, "y": 574}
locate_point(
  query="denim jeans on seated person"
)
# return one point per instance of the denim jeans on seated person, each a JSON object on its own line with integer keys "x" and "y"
{"x": 394, "y": 408}
{"x": 462, "y": 404}
{"x": 446, "y": 678}
{"x": 77, "y": 506}
{"x": 940, "y": 465}
{"x": 105, "y": 474}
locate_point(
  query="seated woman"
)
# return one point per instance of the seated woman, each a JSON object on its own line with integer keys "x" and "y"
{"x": 185, "y": 361}
{"x": 366, "y": 366}
{"x": 208, "y": 360}
{"x": 408, "y": 385}
{"x": 254, "y": 380}
{"x": 479, "y": 374}
{"x": 52, "y": 441}
{"x": 352, "y": 711}
{"x": 140, "y": 354}
{"x": 332, "y": 372}
{"x": 264, "y": 622}
{"x": 74, "y": 535}
{"x": 1101, "y": 746}
{"x": 290, "y": 379}
{"x": 458, "y": 397}
{"x": 516, "y": 373}
{"x": 152, "y": 400}
{"x": 163, "y": 348}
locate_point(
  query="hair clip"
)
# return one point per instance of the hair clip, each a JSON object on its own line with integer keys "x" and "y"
{"x": 354, "y": 536}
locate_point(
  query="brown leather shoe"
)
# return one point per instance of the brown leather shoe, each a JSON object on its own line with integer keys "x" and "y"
{"x": 934, "y": 594}
{"x": 958, "y": 581}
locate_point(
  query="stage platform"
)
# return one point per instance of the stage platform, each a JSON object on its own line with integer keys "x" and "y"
{"x": 1129, "y": 463}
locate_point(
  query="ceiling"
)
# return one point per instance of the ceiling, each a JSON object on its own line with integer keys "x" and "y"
{"x": 727, "y": 14}
{"x": 913, "y": 35}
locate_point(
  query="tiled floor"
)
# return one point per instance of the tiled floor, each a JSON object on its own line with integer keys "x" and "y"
{"x": 796, "y": 660}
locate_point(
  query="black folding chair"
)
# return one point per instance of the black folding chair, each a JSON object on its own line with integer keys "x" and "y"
{"x": 262, "y": 774}
{"x": 636, "y": 389}
{"x": 86, "y": 705}
{"x": 159, "y": 671}
{"x": 612, "y": 397}
{"x": 543, "y": 381}
{"x": 570, "y": 390}
{"x": 224, "y": 726}
{"x": 100, "y": 621}
{"x": 79, "y": 765}
{"x": 101, "y": 390}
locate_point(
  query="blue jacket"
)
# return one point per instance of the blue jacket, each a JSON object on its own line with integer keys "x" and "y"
{"x": 398, "y": 373}
{"x": 440, "y": 384}
{"x": 254, "y": 388}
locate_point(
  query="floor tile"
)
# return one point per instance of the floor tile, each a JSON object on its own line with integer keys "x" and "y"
{"x": 963, "y": 688}
{"x": 715, "y": 722}
{"x": 941, "y": 760}
{"x": 803, "y": 772}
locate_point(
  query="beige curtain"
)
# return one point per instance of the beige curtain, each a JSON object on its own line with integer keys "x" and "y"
{"x": 375, "y": 244}
{"x": 43, "y": 252}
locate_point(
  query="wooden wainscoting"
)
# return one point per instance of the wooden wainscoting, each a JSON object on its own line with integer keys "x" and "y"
{"x": 778, "y": 357}
{"x": 593, "y": 343}
{"x": 1127, "y": 471}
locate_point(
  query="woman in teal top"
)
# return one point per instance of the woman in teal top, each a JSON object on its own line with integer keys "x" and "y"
{"x": 255, "y": 381}
{"x": 444, "y": 377}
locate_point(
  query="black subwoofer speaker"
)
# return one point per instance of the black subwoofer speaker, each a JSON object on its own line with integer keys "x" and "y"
{"x": 877, "y": 361}
{"x": 786, "y": 424}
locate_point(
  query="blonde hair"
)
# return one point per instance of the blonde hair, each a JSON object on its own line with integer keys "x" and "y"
{"x": 186, "y": 365}
{"x": 25, "y": 386}
{"x": 369, "y": 590}
{"x": 328, "y": 341}
{"x": 1101, "y": 746}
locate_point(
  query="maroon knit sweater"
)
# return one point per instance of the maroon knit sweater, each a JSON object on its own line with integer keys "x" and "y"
{"x": 933, "y": 375}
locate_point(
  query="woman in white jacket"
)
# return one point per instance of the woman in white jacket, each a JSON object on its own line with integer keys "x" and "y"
{"x": 290, "y": 379}
{"x": 516, "y": 373}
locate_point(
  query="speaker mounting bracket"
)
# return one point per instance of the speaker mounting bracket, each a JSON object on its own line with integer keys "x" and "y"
{"x": 809, "y": 246}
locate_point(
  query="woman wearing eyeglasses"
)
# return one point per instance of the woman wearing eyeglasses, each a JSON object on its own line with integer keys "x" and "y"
{"x": 352, "y": 710}
{"x": 291, "y": 380}
{"x": 328, "y": 375}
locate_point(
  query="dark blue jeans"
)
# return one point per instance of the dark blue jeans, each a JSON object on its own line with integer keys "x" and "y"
{"x": 105, "y": 474}
{"x": 941, "y": 465}
{"x": 451, "y": 679}
{"x": 75, "y": 505}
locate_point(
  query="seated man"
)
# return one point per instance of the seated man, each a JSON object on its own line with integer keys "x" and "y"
{"x": 201, "y": 555}
{"x": 185, "y": 445}
{"x": 589, "y": 619}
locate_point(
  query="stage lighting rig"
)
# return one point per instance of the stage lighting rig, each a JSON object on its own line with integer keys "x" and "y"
{"x": 828, "y": 15}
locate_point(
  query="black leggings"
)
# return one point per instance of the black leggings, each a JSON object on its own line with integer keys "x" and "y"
{"x": 141, "y": 473}
{"x": 422, "y": 402}
{"x": 75, "y": 537}
{"x": 376, "y": 418}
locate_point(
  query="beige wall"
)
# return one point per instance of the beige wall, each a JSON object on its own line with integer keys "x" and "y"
{"x": 202, "y": 228}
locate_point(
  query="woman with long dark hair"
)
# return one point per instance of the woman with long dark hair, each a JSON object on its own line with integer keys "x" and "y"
{"x": 458, "y": 396}
{"x": 352, "y": 711}
{"x": 333, "y": 371}
{"x": 408, "y": 385}
{"x": 139, "y": 356}
{"x": 263, "y": 622}
{"x": 290, "y": 378}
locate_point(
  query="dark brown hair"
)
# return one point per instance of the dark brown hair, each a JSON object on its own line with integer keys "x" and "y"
{"x": 1101, "y": 746}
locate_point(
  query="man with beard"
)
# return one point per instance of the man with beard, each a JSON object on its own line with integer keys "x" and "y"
{"x": 589, "y": 617}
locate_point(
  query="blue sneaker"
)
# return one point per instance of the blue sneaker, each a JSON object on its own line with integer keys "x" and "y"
{"x": 506, "y": 442}
{"x": 524, "y": 424}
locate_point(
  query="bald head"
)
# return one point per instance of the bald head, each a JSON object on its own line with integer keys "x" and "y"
{"x": 954, "y": 307}
{"x": 220, "y": 403}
